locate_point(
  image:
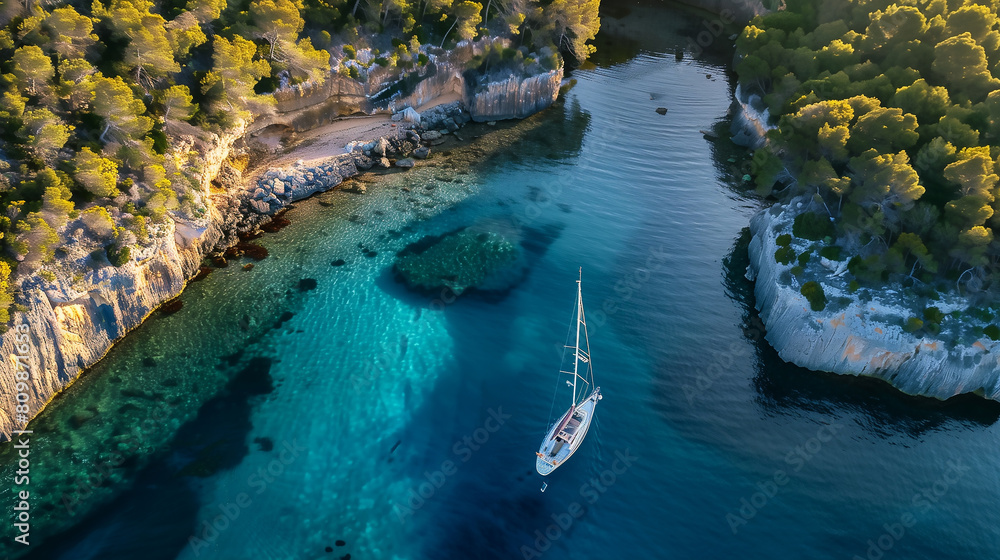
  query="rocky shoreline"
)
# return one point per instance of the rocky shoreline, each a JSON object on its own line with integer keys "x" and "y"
{"x": 73, "y": 321}
{"x": 862, "y": 332}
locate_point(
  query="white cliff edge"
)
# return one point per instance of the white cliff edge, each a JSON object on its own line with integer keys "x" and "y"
{"x": 856, "y": 335}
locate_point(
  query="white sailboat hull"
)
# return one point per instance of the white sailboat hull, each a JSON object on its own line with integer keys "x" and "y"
{"x": 566, "y": 435}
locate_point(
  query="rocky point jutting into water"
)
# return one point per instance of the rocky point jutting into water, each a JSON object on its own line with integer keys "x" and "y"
{"x": 74, "y": 319}
{"x": 862, "y": 331}
{"x": 859, "y": 331}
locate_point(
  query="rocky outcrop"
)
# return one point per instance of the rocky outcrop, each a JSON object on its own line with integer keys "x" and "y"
{"x": 861, "y": 333}
{"x": 71, "y": 325}
{"x": 449, "y": 116}
{"x": 751, "y": 119}
{"x": 511, "y": 97}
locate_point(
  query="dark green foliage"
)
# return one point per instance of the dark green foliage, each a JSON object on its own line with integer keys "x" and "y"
{"x": 992, "y": 331}
{"x": 804, "y": 258}
{"x": 813, "y": 292}
{"x": 812, "y": 226}
{"x": 869, "y": 271}
{"x": 854, "y": 286}
{"x": 913, "y": 324}
{"x": 783, "y": 240}
{"x": 831, "y": 252}
{"x": 118, "y": 257}
{"x": 933, "y": 315}
{"x": 982, "y": 314}
{"x": 797, "y": 270}
{"x": 160, "y": 143}
{"x": 784, "y": 255}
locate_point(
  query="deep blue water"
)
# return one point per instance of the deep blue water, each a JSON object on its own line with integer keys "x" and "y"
{"x": 364, "y": 396}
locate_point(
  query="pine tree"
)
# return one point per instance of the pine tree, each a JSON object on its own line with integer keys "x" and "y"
{"x": 177, "y": 103}
{"x": 235, "y": 72}
{"x": 32, "y": 70}
{"x": 44, "y": 133}
{"x": 72, "y": 33}
{"x": 123, "y": 114}
{"x": 467, "y": 17}
{"x": 98, "y": 175}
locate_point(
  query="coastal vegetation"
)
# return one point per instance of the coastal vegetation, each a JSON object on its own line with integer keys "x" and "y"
{"x": 887, "y": 125}
{"x": 94, "y": 96}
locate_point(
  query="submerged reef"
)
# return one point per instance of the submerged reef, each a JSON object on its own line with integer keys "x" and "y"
{"x": 460, "y": 261}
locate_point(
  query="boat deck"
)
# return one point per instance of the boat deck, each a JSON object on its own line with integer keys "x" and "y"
{"x": 566, "y": 435}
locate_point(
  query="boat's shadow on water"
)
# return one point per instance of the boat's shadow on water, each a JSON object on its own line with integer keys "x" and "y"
{"x": 784, "y": 388}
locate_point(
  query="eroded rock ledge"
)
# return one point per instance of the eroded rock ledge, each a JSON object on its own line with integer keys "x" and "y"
{"x": 861, "y": 333}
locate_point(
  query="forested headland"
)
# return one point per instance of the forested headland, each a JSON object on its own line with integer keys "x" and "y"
{"x": 92, "y": 95}
{"x": 888, "y": 117}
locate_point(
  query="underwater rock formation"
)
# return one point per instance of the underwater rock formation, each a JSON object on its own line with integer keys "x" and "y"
{"x": 460, "y": 261}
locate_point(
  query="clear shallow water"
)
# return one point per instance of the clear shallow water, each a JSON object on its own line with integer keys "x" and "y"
{"x": 367, "y": 390}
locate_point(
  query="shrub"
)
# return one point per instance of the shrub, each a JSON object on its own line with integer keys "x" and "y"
{"x": 798, "y": 270}
{"x": 854, "y": 286}
{"x": 870, "y": 270}
{"x": 422, "y": 59}
{"x": 983, "y": 315}
{"x": 804, "y": 258}
{"x": 784, "y": 255}
{"x": 382, "y": 61}
{"x": 812, "y": 226}
{"x": 831, "y": 252}
{"x": 992, "y": 331}
{"x": 813, "y": 292}
{"x": 119, "y": 258}
{"x": 353, "y": 72}
{"x": 933, "y": 315}
{"x": 350, "y": 52}
{"x": 98, "y": 221}
{"x": 913, "y": 325}
{"x": 784, "y": 240}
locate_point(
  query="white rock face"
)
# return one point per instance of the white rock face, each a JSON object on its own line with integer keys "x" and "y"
{"x": 71, "y": 328}
{"x": 514, "y": 97}
{"x": 863, "y": 337}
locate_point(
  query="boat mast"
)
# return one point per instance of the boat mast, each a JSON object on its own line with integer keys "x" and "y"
{"x": 579, "y": 314}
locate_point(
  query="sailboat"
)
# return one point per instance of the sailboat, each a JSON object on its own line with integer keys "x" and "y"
{"x": 565, "y": 435}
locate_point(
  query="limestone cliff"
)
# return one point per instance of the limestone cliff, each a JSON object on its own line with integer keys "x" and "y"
{"x": 512, "y": 96}
{"x": 861, "y": 332}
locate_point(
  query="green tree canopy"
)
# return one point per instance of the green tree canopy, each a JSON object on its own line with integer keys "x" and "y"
{"x": 97, "y": 174}
{"x": 32, "y": 69}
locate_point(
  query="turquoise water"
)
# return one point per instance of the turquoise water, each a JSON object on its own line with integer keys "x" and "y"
{"x": 362, "y": 412}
